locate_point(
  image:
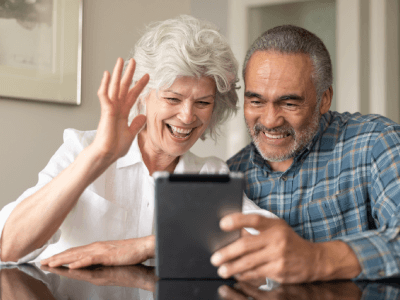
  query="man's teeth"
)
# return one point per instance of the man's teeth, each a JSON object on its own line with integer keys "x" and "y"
{"x": 274, "y": 136}
{"x": 180, "y": 130}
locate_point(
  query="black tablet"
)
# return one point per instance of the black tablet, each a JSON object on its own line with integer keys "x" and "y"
{"x": 188, "y": 208}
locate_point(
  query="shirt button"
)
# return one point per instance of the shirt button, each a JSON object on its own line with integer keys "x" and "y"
{"x": 284, "y": 178}
{"x": 147, "y": 204}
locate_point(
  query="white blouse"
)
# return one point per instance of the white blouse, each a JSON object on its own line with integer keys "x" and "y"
{"x": 118, "y": 205}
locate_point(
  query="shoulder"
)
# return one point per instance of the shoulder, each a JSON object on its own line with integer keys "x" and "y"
{"x": 191, "y": 163}
{"x": 356, "y": 120}
{"x": 241, "y": 160}
{"x": 74, "y": 142}
{"x": 77, "y": 138}
{"x": 363, "y": 128}
{"x": 357, "y": 134}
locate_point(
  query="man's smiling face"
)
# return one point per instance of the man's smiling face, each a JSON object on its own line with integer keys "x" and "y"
{"x": 280, "y": 107}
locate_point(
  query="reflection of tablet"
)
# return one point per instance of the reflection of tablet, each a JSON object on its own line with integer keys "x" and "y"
{"x": 190, "y": 289}
{"x": 188, "y": 208}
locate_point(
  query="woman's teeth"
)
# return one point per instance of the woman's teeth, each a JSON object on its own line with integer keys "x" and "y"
{"x": 179, "y": 132}
{"x": 274, "y": 136}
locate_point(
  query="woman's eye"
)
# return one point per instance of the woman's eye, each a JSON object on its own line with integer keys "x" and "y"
{"x": 203, "y": 103}
{"x": 172, "y": 100}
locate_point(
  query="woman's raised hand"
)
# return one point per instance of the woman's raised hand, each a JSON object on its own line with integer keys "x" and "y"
{"x": 114, "y": 135}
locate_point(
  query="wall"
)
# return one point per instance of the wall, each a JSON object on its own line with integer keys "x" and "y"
{"x": 316, "y": 16}
{"x": 30, "y": 132}
{"x": 214, "y": 11}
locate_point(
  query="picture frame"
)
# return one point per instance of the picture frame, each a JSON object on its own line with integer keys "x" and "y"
{"x": 41, "y": 50}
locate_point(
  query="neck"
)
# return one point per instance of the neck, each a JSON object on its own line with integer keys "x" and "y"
{"x": 153, "y": 159}
{"x": 281, "y": 166}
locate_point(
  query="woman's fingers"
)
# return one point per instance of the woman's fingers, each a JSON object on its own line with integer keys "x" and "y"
{"x": 74, "y": 261}
{"x": 64, "y": 259}
{"x": 127, "y": 78}
{"x": 102, "y": 93}
{"x": 116, "y": 80}
{"x": 135, "y": 91}
{"x": 67, "y": 257}
{"x": 79, "y": 257}
{"x": 86, "y": 262}
{"x": 116, "y": 89}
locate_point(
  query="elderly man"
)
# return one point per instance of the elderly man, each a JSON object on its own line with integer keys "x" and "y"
{"x": 332, "y": 178}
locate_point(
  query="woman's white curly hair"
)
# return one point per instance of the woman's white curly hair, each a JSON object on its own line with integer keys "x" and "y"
{"x": 186, "y": 46}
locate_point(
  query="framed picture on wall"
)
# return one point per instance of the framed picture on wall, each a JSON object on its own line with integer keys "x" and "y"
{"x": 41, "y": 50}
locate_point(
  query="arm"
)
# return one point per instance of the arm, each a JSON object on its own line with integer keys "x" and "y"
{"x": 378, "y": 249}
{"x": 370, "y": 254}
{"x": 277, "y": 252}
{"x": 38, "y": 217}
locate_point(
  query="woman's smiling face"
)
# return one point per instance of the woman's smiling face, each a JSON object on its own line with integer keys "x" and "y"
{"x": 178, "y": 115}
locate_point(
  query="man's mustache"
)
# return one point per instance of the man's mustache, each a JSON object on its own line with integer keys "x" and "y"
{"x": 282, "y": 129}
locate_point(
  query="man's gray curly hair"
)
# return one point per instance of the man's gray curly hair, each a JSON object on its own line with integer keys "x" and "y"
{"x": 292, "y": 39}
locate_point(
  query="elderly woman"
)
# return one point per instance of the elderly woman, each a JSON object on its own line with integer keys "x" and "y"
{"x": 96, "y": 195}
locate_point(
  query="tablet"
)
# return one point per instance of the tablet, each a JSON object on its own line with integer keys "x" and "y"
{"x": 188, "y": 208}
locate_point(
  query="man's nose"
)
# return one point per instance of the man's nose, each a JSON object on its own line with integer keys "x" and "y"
{"x": 272, "y": 117}
{"x": 187, "y": 113}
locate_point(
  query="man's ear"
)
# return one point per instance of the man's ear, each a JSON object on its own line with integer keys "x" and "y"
{"x": 326, "y": 101}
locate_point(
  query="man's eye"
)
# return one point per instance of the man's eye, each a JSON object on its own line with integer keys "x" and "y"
{"x": 290, "y": 105}
{"x": 255, "y": 102}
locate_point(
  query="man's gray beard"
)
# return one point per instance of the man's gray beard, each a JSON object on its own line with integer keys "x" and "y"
{"x": 299, "y": 141}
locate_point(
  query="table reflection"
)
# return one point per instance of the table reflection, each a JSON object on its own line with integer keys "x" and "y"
{"x": 125, "y": 282}
{"x": 140, "y": 282}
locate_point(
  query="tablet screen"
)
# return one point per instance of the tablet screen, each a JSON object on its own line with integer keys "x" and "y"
{"x": 188, "y": 208}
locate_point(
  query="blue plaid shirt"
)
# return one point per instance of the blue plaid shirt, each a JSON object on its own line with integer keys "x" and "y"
{"x": 345, "y": 185}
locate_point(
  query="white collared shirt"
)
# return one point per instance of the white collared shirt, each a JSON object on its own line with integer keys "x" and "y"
{"x": 118, "y": 205}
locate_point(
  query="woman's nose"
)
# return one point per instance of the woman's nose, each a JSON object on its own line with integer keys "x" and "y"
{"x": 186, "y": 113}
